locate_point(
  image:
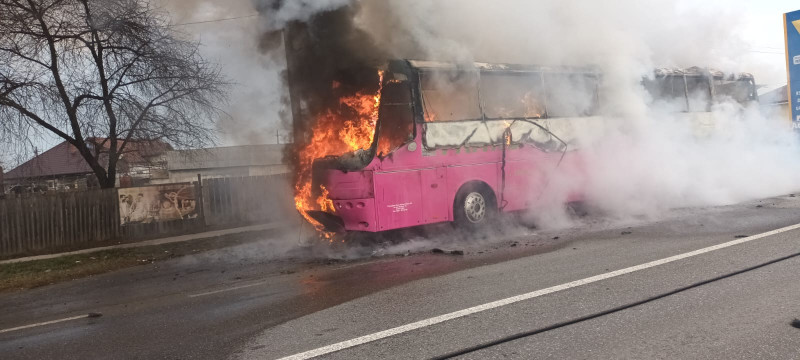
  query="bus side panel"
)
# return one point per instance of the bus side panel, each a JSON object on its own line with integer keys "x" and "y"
{"x": 398, "y": 199}
{"x": 457, "y": 176}
{"x": 525, "y": 182}
{"x": 357, "y": 214}
{"x": 575, "y": 174}
{"x": 434, "y": 196}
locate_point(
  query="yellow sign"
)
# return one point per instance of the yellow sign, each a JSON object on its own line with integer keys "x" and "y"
{"x": 796, "y": 24}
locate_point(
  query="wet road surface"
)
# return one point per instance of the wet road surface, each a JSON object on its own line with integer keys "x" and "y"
{"x": 239, "y": 303}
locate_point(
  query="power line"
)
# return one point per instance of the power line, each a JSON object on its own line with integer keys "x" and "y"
{"x": 216, "y": 20}
{"x": 766, "y": 52}
{"x": 768, "y": 47}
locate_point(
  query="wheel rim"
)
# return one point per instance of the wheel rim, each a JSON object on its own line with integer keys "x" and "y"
{"x": 475, "y": 207}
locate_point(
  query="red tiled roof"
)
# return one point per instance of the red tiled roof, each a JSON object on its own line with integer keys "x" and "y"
{"x": 139, "y": 151}
{"x": 64, "y": 159}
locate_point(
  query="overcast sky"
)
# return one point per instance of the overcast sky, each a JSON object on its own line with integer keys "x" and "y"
{"x": 255, "y": 100}
{"x": 760, "y": 25}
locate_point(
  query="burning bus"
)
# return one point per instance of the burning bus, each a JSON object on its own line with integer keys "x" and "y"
{"x": 434, "y": 142}
{"x": 381, "y": 146}
{"x": 442, "y": 142}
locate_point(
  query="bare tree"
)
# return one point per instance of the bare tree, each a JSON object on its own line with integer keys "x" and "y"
{"x": 101, "y": 74}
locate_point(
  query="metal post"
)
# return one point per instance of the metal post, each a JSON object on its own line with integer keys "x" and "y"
{"x": 199, "y": 203}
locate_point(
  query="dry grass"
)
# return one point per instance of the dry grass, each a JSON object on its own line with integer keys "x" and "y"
{"x": 31, "y": 274}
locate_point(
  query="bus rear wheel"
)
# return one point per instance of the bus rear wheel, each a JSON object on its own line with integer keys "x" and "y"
{"x": 474, "y": 207}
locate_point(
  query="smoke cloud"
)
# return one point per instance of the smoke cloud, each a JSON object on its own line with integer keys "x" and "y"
{"x": 257, "y": 114}
{"x": 647, "y": 158}
{"x": 278, "y": 13}
{"x": 644, "y": 161}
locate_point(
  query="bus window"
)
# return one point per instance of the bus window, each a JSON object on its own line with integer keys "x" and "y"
{"x": 450, "y": 95}
{"x": 741, "y": 91}
{"x": 396, "y": 117}
{"x": 512, "y": 95}
{"x": 570, "y": 95}
{"x": 668, "y": 92}
{"x": 699, "y": 92}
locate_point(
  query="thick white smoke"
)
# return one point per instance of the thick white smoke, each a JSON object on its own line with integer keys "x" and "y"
{"x": 248, "y": 48}
{"x": 255, "y": 99}
{"x": 297, "y": 10}
{"x": 647, "y": 159}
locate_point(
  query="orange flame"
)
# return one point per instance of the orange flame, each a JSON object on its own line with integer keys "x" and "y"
{"x": 335, "y": 133}
{"x": 325, "y": 203}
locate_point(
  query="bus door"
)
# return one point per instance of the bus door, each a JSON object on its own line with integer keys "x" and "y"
{"x": 399, "y": 196}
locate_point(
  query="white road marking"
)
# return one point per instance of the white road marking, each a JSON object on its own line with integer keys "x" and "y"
{"x": 227, "y": 289}
{"x": 86, "y": 316}
{"x": 514, "y": 299}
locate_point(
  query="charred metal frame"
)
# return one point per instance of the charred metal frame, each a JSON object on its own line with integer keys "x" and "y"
{"x": 503, "y": 69}
{"x": 359, "y": 159}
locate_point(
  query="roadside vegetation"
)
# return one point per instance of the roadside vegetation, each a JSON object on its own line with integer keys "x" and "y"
{"x": 31, "y": 274}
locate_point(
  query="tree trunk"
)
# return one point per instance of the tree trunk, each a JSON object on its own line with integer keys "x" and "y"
{"x": 103, "y": 179}
{"x": 111, "y": 173}
{"x": 106, "y": 179}
{"x": 108, "y": 183}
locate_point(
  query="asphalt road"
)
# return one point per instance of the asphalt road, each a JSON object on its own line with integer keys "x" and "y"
{"x": 247, "y": 302}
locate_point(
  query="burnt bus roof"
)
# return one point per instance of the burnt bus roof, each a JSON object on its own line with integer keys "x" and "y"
{"x": 423, "y": 65}
{"x": 696, "y": 71}
{"x": 407, "y": 65}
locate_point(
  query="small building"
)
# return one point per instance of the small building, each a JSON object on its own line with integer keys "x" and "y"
{"x": 231, "y": 161}
{"x": 63, "y": 168}
{"x": 775, "y": 103}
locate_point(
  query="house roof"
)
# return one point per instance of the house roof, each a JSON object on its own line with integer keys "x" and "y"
{"x": 140, "y": 151}
{"x": 222, "y": 157}
{"x": 64, "y": 159}
{"x": 775, "y": 96}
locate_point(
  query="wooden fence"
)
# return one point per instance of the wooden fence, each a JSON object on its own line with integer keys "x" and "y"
{"x": 246, "y": 200}
{"x": 62, "y": 221}
{"x": 58, "y": 221}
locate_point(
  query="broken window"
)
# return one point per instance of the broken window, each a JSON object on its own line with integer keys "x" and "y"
{"x": 699, "y": 93}
{"x": 667, "y": 92}
{"x": 450, "y": 95}
{"x": 741, "y": 91}
{"x": 396, "y": 117}
{"x": 512, "y": 95}
{"x": 570, "y": 95}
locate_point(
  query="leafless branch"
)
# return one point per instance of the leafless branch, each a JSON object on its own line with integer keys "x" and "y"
{"x": 101, "y": 74}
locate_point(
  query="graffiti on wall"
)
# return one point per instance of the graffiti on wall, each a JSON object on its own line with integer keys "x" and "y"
{"x": 150, "y": 204}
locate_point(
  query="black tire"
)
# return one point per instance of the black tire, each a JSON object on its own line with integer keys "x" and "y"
{"x": 577, "y": 209}
{"x": 474, "y": 207}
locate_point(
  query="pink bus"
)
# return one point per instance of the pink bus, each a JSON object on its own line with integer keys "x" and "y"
{"x": 461, "y": 143}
